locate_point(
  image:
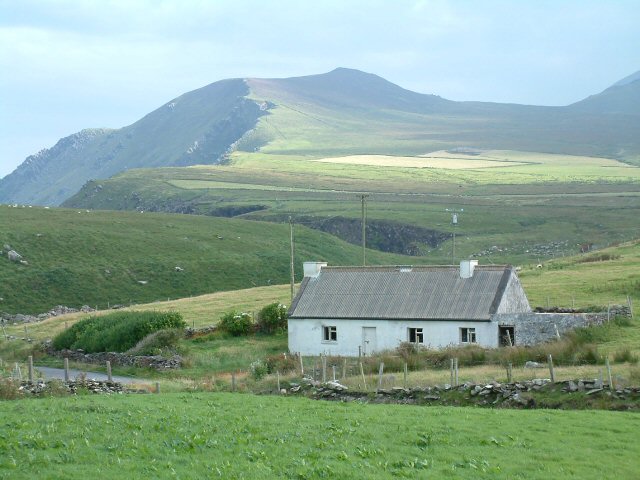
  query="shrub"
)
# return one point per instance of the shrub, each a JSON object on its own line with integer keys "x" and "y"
{"x": 158, "y": 343}
{"x": 116, "y": 332}
{"x": 236, "y": 323}
{"x": 258, "y": 369}
{"x": 273, "y": 318}
{"x": 280, "y": 363}
{"x": 625, "y": 356}
{"x": 9, "y": 389}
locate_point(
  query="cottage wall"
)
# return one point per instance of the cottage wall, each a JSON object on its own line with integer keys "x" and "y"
{"x": 532, "y": 328}
{"x": 306, "y": 336}
{"x": 514, "y": 300}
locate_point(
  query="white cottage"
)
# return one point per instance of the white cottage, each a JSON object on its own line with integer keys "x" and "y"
{"x": 362, "y": 310}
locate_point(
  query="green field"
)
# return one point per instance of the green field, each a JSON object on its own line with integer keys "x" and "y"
{"x": 521, "y": 214}
{"x": 99, "y": 258}
{"x": 235, "y": 436}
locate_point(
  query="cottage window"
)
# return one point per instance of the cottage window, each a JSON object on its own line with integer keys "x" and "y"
{"x": 329, "y": 334}
{"x": 468, "y": 335}
{"x": 416, "y": 335}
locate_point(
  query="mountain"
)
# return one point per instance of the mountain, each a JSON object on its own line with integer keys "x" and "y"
{"x": 623, "y": 97}
{"x": 342, "y": 112}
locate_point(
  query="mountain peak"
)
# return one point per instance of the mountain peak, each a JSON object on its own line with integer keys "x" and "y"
{"x": 627, "y": 80}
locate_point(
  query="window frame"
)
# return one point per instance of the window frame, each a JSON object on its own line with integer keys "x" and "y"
{"x": 418, "y": 335}
{"x": 329, "y": 334}
{"x": 470, "y": 334}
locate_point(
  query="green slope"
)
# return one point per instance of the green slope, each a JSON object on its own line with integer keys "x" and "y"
{"x": 78, "y": 257}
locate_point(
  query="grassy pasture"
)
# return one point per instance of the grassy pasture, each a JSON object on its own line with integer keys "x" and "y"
{"x": 236, "y": 436}
{"x": 104, "y": 258}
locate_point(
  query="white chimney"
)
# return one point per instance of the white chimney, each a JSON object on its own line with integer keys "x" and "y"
{"x": 312, "y": 269}
{"x": 467, "y": 267}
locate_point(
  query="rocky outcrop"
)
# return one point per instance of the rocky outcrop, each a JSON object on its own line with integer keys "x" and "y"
{"x": 57, "y": 387}
{"x": 54, "y": 312}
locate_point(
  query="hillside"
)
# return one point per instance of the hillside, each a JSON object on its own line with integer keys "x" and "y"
{"x": 77, "y": 257}
{"x": 623, "y": 97}
{"x": 342, "y": 112}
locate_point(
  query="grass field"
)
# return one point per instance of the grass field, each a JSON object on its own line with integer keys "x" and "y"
{"x": 105, "y": 258}
{"x": 531, "y": 208}
{"x": 236, "y": 436}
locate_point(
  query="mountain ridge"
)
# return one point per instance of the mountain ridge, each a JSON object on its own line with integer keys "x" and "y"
{"x": 341, "y": 112}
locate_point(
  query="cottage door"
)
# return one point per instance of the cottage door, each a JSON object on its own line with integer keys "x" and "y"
{"x": 369, "y": 345}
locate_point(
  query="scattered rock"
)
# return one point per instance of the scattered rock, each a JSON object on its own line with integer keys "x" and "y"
{"x": 14, "y": 256}
{"x": 533, "y": 365}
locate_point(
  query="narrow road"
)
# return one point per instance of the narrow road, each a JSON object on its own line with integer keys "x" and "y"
{"x": 58, "y": 373}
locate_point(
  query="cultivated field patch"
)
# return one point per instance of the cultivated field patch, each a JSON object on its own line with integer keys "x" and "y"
{"x": 447, "y": 162}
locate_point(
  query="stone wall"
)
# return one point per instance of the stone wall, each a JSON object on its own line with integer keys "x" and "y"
{"x": 145, "y": 361}
{"x": 533, "y": 328}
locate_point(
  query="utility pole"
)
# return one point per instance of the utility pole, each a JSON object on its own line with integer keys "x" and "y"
{"x": 363, "y": 198}
{"x": 454, "y": 221}
{"x": 293, "y": 280}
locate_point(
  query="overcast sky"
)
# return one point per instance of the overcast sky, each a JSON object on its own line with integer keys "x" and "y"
{"x": 69, "y": 65}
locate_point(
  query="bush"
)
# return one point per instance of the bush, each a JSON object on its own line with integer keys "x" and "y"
{"x": 258, "y": 369}
{"x": 281, "y": 363}
{"x": 158, "y": 343}
{"x": 116, "y": 332}
{"x": 273, "y": 318}
{"x": 236, "y": 323}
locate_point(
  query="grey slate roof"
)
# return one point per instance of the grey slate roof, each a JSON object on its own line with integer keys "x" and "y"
{"x": 423, "y": 293}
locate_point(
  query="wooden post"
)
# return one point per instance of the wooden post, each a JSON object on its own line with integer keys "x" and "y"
{"x": 17, "y": 372}
{"x": 405, "y": 374}
{"x": 315, "y": 367}
{"x": 553, "y": 378}
{"x": 333, "y": 367}
{"x": 364, "y": 382}
{"x": 109, "y": 376}
{"x": 66, "y": 370}
{"x": 323, "y": 360}
{"x": 630, "y": 303}
{"x": 509, "y": 372}
{"x": 344, "y": 368}
{"x": 608, "y": 312}
{"x": 30, "y": 368}
{"x": 380, "y": 376}
{"x": 609, "y": 374}
{"x": 157, "y": 387}
{"x": 301, "y": 366}
{"x": 456, "y": 362}
{"x": 452, "y": 372}
{"x": 4, "y": 332}
{"x": 278, "y": 380}
{"x": 233, "y": 382}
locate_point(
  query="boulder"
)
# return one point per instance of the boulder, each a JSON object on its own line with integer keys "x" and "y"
{"x": 14, "y": 256}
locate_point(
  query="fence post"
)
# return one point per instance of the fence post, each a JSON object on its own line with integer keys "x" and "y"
{"x": 4, "y": 332}
{"x": 630, "y": 303}
{"x": 456, "y": 363}
{"x": 405, "y": 374}
{"x": 452, "y": 377}
{"x": 66, "y": 369}
{"x": 364, "y": 382}
{"x": 344, "y": 368}
{"x": 278, "y": 380}
{"x": 380, "y": 376}
{"x": 109, "y": 377}
{"x": 233, "y": 382}
{"x": 157, "y": 387}
{"x": 323, "y": 360}
{"x": 301, "y": 366}
{"x": 509, "y": 372}
{"x": 30, "y": 368}
{"x": 553, "y": 378}
{"x": 333, "y": 367}
{"x": 609, "y": 374}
